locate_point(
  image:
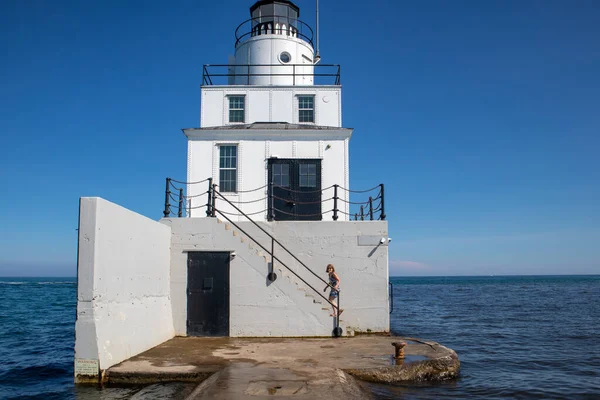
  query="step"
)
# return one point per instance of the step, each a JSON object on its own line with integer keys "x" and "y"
{"x": 256, "y": 250}
{"x": 315, "y": 299}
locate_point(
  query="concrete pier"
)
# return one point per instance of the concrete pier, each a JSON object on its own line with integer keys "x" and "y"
{"x": 228, "y": 368}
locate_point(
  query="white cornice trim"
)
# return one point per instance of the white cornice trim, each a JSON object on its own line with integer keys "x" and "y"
{"x": 271, "y": 134}
{"x": 308, "y": 88}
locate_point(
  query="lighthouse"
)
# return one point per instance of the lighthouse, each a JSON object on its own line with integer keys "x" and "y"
{"x": 271, "y": 135}
{"x": 244, "y": 241}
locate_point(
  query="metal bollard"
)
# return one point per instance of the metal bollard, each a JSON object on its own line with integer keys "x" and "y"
{"x": 399, "y": 347}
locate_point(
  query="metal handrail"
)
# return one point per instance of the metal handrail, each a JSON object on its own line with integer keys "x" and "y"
{"x": 207, "y": 75}
{"x": 298, "y": 25}
{"x": 271, "y": 236}
{"x": 271, "y": 253}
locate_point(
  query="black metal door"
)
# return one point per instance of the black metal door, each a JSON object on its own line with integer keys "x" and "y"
{"x": 208, "y": 294}
{"x": 307, "y": 190}
{"x": 283, "y": 203}
{"x": 296, "y": 189}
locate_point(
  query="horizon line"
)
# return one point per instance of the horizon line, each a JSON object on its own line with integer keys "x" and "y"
{"x": 391, "y": 276}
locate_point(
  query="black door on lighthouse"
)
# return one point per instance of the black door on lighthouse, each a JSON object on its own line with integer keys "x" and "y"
{"x": 296, "y": 192}
{"x": 208, "y": 294}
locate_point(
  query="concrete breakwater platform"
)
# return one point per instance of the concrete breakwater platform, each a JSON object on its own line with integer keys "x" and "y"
{"x": 227, "y": 368}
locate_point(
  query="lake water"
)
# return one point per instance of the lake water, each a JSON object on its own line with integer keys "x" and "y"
{"x": 530, "y": 337}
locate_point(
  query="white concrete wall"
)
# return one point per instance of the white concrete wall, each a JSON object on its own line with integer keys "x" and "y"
{"x": 359, "y": 259}
{"x": 270, "y": 104}
{"x": 281, "y": 309}
{"x": 203, "y": 162}
{"x": 123, "y": 293}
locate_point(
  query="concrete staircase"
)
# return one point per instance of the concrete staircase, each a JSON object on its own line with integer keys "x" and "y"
{"x": 314, "y": 308}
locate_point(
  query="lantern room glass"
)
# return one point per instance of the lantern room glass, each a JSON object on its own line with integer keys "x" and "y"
{"x": 279, "y": 12}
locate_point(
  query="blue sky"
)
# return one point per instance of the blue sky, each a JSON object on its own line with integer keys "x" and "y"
{"x": 481, "y": 117}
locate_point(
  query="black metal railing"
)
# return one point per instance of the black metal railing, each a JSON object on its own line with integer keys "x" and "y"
{"x": 177, "y": 203}
{"x": 273, "y": 25}
{"x": 214, "y": 193}
{"x": 222, "y": 74}
{"x": 370, "y": 205}
{"x": 369, "y": 210}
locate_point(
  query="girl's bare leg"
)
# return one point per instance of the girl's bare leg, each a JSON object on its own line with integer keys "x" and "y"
{"x": 334, "y": 312}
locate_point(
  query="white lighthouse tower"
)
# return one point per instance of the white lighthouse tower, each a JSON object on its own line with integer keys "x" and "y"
{"x": 271, "y": 135}
{"x": 276, "y": 43}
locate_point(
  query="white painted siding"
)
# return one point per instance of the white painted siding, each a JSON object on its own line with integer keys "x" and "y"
{"x": 253, "y": 156}
{"x": 335, "y": 175}
{"x": 282, "y": 149}
{"x": 270, "y": 104}
{"x": 251, "y": 173}
{"x": 258, "y": 105}
{"x": 307, "y": 150}
{"x": 200, "y": 167}
{"x": 282, "y": 106}
{"x": 213, "y": 108}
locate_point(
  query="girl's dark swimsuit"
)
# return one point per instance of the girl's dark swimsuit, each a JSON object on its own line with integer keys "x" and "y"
{"x": 333, "y": 282}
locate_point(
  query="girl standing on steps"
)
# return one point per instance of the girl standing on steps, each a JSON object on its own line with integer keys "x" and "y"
{"x": 334, "y": 284}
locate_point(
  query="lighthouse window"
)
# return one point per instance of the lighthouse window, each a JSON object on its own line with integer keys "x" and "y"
{"x": 281, "y": 10}
{"x": 228, "y": 168}
{"x": 285, "y": 57}
{"x": 281, "y": 175}
{"x": 308, "y": 175}
{"x": 306, "y": 108}
{"x": 236, "y": 108}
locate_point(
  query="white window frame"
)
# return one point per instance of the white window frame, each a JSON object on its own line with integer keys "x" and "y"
{"x": 235, "y": 169}
{"x": 229, "y": 109}
{"x": 313, "y": 109}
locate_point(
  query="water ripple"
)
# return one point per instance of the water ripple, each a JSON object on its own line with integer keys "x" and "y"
{"x": 532, "y": 337}
{"x": 517, "y": 338}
